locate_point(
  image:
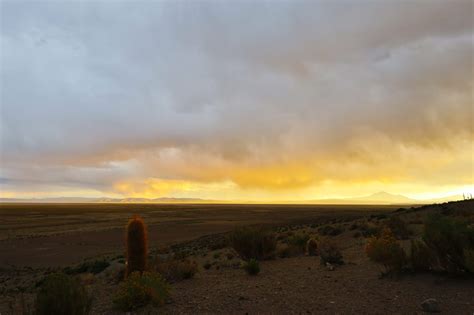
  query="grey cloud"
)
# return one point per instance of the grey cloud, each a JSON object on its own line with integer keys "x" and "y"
{"x": 87, "y": 83}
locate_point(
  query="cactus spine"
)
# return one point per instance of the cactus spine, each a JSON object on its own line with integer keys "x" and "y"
{"x": 137, "y": 248}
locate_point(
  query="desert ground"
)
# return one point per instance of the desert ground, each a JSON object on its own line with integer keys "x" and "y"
{"x": 38, "y": 239}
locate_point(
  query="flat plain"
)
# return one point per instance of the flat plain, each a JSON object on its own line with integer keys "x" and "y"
{"x": 43, "y": 235}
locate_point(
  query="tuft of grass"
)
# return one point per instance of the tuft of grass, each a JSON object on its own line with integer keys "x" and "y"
{"x": 62, "y": 294}
{"x": 138, "y": 290}
{"x": 252, "y": 267}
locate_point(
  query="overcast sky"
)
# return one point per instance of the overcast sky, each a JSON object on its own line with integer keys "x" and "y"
{"x": 250, "y": 100}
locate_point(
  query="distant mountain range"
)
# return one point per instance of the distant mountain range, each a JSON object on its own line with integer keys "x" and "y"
{"x": 381, "y": 198}
{"x": 105, "y": 200}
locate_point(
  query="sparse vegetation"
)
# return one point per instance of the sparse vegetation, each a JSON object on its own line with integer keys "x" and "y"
{"x": 256, "y": 243}
{"x": 252, "y": 267}
{"x": 140, "y": 289}
{"x": 137, "y": 247}
{"x": 63, "y": 295}
{"x": 329, "y": 252}
{"x": 386, "y": 251}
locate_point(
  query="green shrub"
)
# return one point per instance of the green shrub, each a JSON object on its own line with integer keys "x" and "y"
{"x": 175, "y": 270}
{"x": 252, "y": 267}
{"x": 61, "y": 294}
{"x": 312, "y": 247}
{"x": 329, "y": 252}
{"x": 386, "y": 251}
{"x": 450, "y": 239}
{"x": 256, "y": 243}
{"x": 138, "y": 290}
{"x": 421, "y": 257}
{"x": 398, "y": 227}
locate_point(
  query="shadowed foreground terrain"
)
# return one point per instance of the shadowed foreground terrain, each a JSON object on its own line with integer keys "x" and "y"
{"x": 288, "y": 283}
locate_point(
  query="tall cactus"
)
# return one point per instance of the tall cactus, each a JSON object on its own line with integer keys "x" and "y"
{"x": 137, "y": 248}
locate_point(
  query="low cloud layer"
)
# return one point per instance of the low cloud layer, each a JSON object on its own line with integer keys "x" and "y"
{"x": 241, "y": 100}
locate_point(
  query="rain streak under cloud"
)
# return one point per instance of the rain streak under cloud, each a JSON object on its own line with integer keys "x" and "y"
{"x": 236, "y": 100}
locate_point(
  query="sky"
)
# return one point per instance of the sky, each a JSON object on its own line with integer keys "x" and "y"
{"x": 236, "y": 100}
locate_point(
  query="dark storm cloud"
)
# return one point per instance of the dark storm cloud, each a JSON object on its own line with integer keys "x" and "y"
{"x": 97, "y": 91}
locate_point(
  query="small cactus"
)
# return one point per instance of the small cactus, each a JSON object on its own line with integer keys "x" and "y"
{"x": 137, "y": 248}
{"x": 312, "y": 247}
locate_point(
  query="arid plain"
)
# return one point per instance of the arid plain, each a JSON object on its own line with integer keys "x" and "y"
{"x": 87, "y": 242}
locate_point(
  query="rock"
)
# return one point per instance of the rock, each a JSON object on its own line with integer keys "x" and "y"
{"x": 430, "y": 306}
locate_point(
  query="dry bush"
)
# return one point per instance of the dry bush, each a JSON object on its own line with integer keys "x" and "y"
{"x": 312, "y": 247}
{"x": 62, "y": 294}
{"x": 386, "y": 251}
{"x": 422, "y": 257}
{"x": 175, "y": 269}
{"x": 138, "y": 290}
{"x": 449, "y": 238}
{"x": 329, "y": 252}
{"x": 252, "y": 242}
